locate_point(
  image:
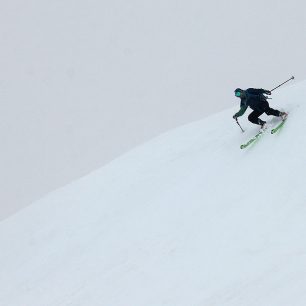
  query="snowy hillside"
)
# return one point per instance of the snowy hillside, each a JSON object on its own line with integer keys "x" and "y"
{"x": 186, "y": 219}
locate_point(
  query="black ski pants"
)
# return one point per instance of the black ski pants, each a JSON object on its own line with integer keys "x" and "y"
{"x": 259, "y": 110}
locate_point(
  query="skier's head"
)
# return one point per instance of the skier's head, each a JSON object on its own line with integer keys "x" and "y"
{"x": 238, "y": 92}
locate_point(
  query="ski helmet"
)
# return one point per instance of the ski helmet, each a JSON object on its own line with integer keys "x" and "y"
{"x": 238, "y": 92}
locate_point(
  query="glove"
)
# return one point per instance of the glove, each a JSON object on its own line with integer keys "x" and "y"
{"x": 235, "y": 117}
{"x": 268, "y": 92}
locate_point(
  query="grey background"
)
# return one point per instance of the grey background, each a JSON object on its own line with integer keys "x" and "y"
{"x": 81, "y": 82}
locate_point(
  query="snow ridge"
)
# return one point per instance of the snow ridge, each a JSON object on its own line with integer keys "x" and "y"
{"x": 185, "y": 219}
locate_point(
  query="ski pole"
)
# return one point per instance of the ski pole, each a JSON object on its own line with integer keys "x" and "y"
{"x": 283, "y": 83}
{"x": 240, "y": 125}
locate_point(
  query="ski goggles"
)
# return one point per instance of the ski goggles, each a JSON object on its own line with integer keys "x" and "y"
{"x": 237, "y": 93}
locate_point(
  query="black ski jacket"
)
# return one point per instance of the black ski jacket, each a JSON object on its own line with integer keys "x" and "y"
{"x": 253, "y": 98}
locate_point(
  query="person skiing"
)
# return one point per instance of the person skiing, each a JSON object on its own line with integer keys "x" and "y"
{"x": 257, "y": 101}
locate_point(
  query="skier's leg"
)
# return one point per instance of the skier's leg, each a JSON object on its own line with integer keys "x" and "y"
{"x": 272, "y": 112}
{"x": 254, "y": 117}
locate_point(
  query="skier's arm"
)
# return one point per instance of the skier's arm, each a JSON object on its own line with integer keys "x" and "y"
{"x": 242, "y": 110}
{"x": 267, "y": 92}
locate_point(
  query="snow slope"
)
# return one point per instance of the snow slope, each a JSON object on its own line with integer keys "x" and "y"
{"x": 185, "y": 219}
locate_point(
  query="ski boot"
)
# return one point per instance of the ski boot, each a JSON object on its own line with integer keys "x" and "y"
{"x": 283, "y": 115}
{"x": 263, "y": 125}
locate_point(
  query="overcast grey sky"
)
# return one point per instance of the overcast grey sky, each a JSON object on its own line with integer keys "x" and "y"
{"x": 81, "y": 82}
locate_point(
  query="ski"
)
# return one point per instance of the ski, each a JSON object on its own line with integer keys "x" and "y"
{"x": 253, "y": 139}
{"x": 278, "y": 127}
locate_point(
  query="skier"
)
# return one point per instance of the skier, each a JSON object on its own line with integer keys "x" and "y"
{"x": 257, "y": 101}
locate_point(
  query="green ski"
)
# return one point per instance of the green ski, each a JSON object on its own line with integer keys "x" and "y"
{"x": 277, "y": 128}
{"x": 253, "y": 139}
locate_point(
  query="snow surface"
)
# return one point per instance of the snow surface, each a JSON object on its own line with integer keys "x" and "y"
{"x": 185, "y": 219}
